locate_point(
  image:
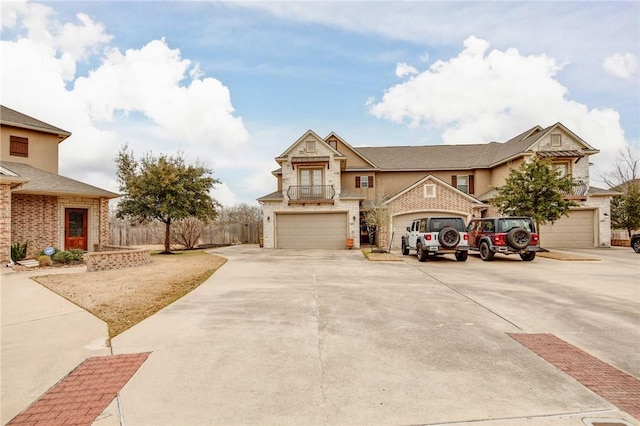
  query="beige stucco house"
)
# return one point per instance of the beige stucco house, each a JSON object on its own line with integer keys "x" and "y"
{"x": 36, "y": 203}
{"x": 325, "y": 185}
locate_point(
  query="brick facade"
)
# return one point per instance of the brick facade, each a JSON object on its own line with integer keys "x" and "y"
{"x": 34, "y": 219}
{"x": 114, "y": 257}
{"x": 5, "y": 224}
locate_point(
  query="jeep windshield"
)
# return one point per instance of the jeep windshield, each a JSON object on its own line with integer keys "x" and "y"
{"x": 455, "y": 222}
{"x": 506, "y": 224}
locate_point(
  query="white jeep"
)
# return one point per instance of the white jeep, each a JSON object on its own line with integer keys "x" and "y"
{"x": 436, "y": 236}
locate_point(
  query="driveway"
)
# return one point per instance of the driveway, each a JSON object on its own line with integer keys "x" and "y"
{"x": 327, "y": 337}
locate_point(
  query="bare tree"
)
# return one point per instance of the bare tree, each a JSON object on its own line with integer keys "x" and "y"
{"x": 378, "y": 214}
{"x": 626, "y": 168}
{"x": 187, "y": 231}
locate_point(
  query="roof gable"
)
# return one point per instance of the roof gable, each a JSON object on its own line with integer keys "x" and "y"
{"x": 437, "y": 181}
{"x": 347, "y": 150}
{"x": 307, "y": 136}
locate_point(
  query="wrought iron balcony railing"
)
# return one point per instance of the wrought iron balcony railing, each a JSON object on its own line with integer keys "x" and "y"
{"x": 579, "y": 191}
{"x": 311, "y": 192}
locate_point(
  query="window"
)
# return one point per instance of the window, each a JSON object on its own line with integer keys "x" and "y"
{"x": 364, "y": 181}
{"x": 562, "y": 168}
{"x": 310, "y": 146}
{"x": 429, "y": 190}
{"x": 18, "y": 146}
{"x": 463, "y": 183}
{"x": 556, "y": 140}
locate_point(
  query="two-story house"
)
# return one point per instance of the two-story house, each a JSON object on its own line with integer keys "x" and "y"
{"x": 325, "y": 186}
{"x": 36, "y": 203}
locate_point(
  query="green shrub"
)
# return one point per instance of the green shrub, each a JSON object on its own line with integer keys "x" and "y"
{"x": 19, "y": 251}
{"x": 45, "y": 260}
{"x": 63, "y": 257}
{"x": 77, "y": 254}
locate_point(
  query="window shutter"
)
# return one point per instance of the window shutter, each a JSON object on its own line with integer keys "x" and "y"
{"x": 357, "y": 181}
{"x": 18, "y": 146}
{"x": 370, "y": 181}
{"x": 471, "y": 188}
{"x": 454, "y": 181}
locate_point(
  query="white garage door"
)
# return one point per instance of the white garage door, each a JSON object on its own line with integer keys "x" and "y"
{"x": 576, "y": 230}
{"x": 313, "y": 230}
{"x": 400, "y": 223}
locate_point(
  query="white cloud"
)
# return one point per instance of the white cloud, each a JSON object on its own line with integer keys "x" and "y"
{"x": 223, "y": 194}
{"x": 623, "y": 65}
{"x": 481, "y": 95}
{"x": 403, "y": 70}
{"x": 149, "y": 97}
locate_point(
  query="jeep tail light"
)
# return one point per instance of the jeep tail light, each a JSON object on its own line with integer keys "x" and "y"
{"x": 466, "y": 237}
{"x": 427, "y": 237}
{"x": 500, "y": 240}
{"x": 534, "y": 239}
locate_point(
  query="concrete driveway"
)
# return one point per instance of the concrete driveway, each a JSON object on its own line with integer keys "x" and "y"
{"x": 327, "y": 337}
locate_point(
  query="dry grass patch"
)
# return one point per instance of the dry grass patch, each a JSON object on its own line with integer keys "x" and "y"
{"x": 124, "y": 297}
{"x": 388, "y": 257}
{"x": 556, "y": 255}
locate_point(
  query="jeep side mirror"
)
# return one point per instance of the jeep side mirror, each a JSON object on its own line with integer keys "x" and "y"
{"x": 408, "y": 228}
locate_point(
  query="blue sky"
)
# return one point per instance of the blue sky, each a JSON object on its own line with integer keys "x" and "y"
{"x": 234, "y": 84}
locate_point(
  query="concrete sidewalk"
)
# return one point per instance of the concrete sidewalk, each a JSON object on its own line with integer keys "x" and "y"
{"x": 320, "y": 337}
{"x": 43, "y": 337}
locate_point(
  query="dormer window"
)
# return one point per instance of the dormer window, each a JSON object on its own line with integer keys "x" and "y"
{"x": 310, "y": 146}
{"x": 556, "y": 139}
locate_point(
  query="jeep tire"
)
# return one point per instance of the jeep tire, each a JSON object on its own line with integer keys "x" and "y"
{"x": 485, "y": 252}
{"x": 448, "y": 237}
{"x": 518, "y": 238}
{"x": 405, "y": 249}
{"x": 635, "y": 244}
{"x": 422, "y": 255}
{"x": 528, "y": 256}
{"x": 461, "y": 256}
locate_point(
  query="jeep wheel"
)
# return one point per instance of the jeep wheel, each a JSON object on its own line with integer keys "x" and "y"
{"x": 518, "y": 238}
{"x": 405, "y": 249}
{"x": 422, "y": 255}
{"x": 485, "y": 252}
{"x": 448, "y": 237}
{"x": 635, "y": 245}
{"x": 528, "y": 256}
{"x": 461, "y": 256}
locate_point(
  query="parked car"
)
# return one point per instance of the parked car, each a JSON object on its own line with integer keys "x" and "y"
{"x": 506, "y": 235}
{"x": 436, "y": 236}
{"x": 635, "y": 242}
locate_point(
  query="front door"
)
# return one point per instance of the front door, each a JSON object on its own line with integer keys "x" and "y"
{"x": 75, "y": 229}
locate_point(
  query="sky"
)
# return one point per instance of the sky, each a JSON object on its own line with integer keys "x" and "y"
{"x": 234, "y": 84}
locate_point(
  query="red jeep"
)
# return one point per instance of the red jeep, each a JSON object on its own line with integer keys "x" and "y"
{"x": 506, "y": 235}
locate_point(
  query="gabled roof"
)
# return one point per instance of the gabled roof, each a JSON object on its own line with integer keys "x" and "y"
{"x": 41, "y": 182}
{"x": 10, "y": 117}
{"x": 435, "y": 180}
{"x": 365, "y": 159}
{"x": 302, "y": 138}
{"x": 457, "y": 157}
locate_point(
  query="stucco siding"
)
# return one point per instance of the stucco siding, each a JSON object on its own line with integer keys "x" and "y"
{"x": 43, "y": 148}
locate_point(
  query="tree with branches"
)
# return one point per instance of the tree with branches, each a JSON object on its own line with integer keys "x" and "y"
{"x": 536, "y": 190}
{"x": 624, "y": 177}
{"x": 165, "y": 189}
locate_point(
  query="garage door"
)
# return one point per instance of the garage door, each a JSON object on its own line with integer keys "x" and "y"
{"x": 576, "y": 230}
{"x": 401, "y": 222}
{"x": 314, "y": 230}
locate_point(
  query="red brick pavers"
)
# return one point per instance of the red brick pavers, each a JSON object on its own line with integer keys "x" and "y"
{"x": 617, "y": 387}
{"x": 81, "y": 396}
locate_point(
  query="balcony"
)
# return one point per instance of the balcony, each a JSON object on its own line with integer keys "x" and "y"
{"x": 311, "y": 194}
{"x": 579, "y": 192}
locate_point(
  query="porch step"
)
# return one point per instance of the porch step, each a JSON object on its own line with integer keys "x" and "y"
{"x": 31, "y": 263}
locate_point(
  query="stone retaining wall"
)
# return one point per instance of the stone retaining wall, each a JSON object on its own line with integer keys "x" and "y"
{"x": 621, "y": 242}
{"x": 115, "y": 257}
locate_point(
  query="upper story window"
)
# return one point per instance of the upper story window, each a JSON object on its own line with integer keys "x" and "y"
{"x": 310, "y": 146}
{"x": 562, "y": 168}
{"x": 18, "y": 146}
{"x": 556, "y": 139}
{"x": 364, "y": 181}
{"x": 463, "y": 183}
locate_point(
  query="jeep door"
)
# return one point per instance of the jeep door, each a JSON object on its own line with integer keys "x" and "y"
{"x": 413, "y": 235}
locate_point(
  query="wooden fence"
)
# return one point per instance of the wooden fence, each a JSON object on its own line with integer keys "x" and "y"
{"x": 125, "y": 234}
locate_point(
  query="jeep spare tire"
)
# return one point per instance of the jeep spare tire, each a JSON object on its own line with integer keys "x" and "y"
{"x": 448, "y": 237}
{"x": 518, "y": 238}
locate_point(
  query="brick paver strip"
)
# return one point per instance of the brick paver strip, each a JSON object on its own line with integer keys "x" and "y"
{"x": 617, "y": 387}
{"x": 81, "y": 396}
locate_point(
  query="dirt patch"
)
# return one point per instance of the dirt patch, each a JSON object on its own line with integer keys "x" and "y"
{"x": 124, "y": 297}
{"x": 556, "y": 255}
{"x": 387, "y": 257}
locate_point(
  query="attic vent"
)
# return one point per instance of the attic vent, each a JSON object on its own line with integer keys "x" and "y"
{"x": 310, "y": 146}
{"x": 556, "y": 140}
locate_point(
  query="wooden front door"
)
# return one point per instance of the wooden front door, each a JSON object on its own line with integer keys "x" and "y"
{"x": 75, "y": 229}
